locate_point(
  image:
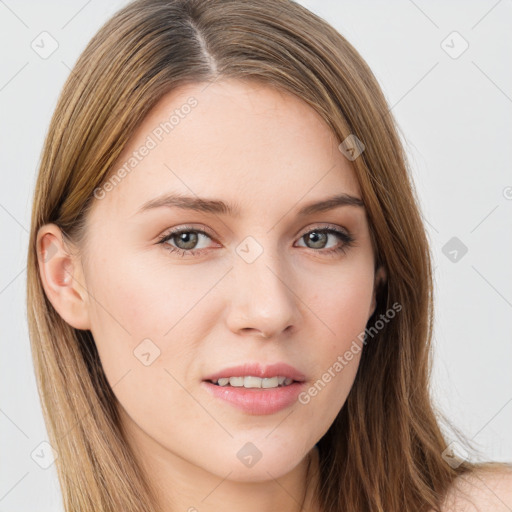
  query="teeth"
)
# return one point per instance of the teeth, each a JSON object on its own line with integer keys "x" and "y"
{"x": 236, "y": 381}
{"x": 270, "y": 382}
{"x": 251, "y": 382}
{"x": 254, "y": 382}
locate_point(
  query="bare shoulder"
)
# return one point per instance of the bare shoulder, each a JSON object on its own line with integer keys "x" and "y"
{"x": 484, "y": 490}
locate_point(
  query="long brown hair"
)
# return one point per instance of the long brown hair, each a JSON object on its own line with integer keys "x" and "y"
{"x": 384, "y": 450}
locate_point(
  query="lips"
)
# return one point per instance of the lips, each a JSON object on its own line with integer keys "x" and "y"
{"x": 255, "y": 400}
{"x": 258, "y": 370}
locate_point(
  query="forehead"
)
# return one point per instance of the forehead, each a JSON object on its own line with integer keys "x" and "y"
{"x": 247, "y": 143}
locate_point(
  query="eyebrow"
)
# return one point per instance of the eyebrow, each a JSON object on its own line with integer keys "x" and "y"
{"x": 221, "y": 208}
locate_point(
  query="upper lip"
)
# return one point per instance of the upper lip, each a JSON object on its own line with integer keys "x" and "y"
{"x": 258, "y": 370}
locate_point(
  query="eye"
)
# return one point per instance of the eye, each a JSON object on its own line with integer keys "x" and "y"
{"x": 319, "y": 238}
{"x": 183, "y": 241}
{"x": 186, "y": 238}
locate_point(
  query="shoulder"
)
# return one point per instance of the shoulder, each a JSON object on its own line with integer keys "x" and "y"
{"x": 482, "y": 490}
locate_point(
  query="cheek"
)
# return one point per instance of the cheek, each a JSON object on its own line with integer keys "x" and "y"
{"x": 139, "y": 295}
{"x": 343, "y": 303}
{"x": 343, "y": 306}
{"x": 137, "y": 309}
{"x": 142, "y": 319}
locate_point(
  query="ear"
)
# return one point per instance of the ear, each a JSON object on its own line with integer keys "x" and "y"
{"x": 62, "y": 277}
{"x": 380, "y": 279}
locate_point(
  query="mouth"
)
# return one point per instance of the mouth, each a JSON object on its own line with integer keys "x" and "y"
{"x": 250, "y": 381}
{"x": 254, "y": 375}
{"x": 255, "y": 389}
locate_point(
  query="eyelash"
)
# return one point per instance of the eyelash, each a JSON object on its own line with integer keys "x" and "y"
{"x": 347, "y": 239}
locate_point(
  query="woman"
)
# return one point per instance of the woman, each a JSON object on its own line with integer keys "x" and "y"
{"x": 229, "y": 283}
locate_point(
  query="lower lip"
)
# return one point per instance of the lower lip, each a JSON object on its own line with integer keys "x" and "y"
{"x": 258, "y": 401}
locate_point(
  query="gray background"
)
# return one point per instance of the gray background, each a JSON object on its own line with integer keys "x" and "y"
{"x": 454, "y": 112}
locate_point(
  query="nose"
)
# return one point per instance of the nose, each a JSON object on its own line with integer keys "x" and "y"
{"x": 261, "y": 297}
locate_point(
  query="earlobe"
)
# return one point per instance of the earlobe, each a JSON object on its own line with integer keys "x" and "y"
{"x": 379, "y": 280}
{"x": 61, "y": 277}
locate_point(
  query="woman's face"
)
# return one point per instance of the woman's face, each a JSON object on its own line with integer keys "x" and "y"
{"x": 166, "y": 315}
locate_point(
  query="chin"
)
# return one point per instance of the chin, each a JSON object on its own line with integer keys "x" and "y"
{"x": 251, "y": 464}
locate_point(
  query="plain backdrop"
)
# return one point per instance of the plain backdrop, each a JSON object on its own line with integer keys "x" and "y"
{"x": 445, "y": 70}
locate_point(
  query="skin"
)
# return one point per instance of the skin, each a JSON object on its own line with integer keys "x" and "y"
{"x": 269, "y": 153}
{"x": 484, "y": 491}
